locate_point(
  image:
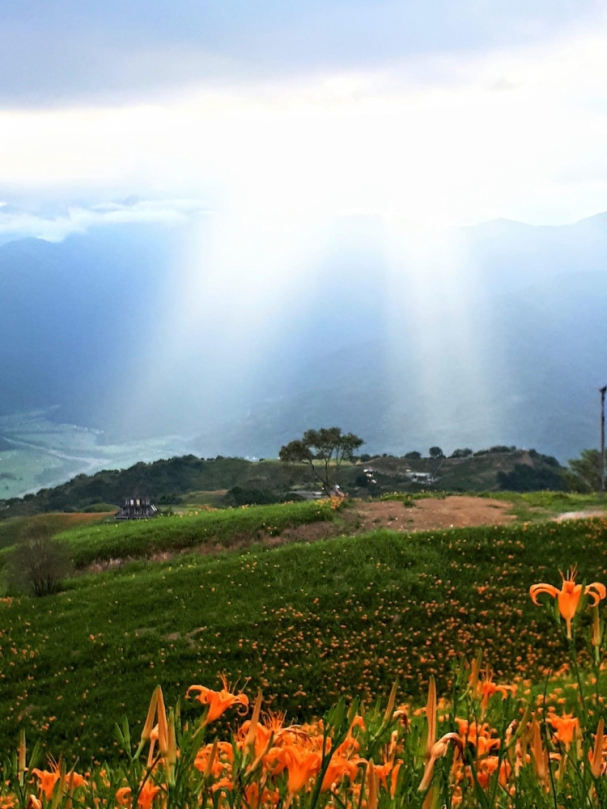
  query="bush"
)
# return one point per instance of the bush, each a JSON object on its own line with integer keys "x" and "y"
{"x": 249, "y": 496}
{"x": 38, "y": 564}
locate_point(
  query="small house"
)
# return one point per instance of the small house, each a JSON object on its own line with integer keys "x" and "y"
{"x": 137, "y": 508}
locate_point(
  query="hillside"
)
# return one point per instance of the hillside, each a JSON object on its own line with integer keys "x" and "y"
{"x": 306, "y": 622}
{"x": 236, "y": 481}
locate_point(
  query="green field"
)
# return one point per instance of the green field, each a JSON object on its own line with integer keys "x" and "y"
{"x": 11, "y": 531}
{"x": 215, "y": 528}
{"x": 306, "y": 622}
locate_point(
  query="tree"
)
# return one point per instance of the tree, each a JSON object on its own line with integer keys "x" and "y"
{"x": 584, "y": 473}
{"x": 461, "y": 453}
{"x": 413, "y": 456}
{"x": 436, "y": 452}
{"x": 323, "y": 451}
{"x": 524, "y": 478}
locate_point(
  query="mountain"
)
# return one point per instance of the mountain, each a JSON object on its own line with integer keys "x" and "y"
{"x": 490, "y": 335}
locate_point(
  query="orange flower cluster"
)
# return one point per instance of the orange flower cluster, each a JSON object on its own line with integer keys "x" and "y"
{"x": 492, "y": 744}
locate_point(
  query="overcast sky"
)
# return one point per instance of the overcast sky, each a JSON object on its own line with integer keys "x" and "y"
{"x": 427, "y": 112}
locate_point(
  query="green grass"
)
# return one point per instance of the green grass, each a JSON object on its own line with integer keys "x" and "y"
{"x": 534, "y": 506}
{"x": 11, "y": 531}
{"x": 306, "y": 622}
{"x": 225, "y": 528}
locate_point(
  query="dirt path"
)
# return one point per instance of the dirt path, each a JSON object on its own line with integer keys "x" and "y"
{"x": 580, "y": 515}
{"x": 433, "y": 514}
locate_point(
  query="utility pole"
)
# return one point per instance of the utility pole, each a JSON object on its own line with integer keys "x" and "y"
{"x": 602, "y": 392}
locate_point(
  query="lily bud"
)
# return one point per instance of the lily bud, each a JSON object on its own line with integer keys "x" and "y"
{"x": 431, "y": 716}
{"x": 149, "y": 722}
{"x": 163, "y": 730}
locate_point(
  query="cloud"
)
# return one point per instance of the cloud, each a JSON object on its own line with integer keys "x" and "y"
{"x": 15, "y": 223}
{"x": 103, "y": 51}
{"x": 427, "y": 141}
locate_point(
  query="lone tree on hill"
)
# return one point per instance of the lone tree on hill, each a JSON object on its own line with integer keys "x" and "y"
{"x": 323, "y": 451}
{"x": 436, "y": 452}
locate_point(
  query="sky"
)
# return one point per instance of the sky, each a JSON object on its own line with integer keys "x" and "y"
{"x": 286, "y": 130}
{"x": 426, "y": 114}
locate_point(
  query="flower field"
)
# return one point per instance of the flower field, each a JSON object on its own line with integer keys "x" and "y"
{"x": 488, "y": 745}
{"x": 306, "y": 623}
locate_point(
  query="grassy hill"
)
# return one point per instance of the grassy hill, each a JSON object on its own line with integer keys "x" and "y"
{"x": 234, "y": 481}
{"x": 12, "y": 530}
{"x": 305, "y": 622}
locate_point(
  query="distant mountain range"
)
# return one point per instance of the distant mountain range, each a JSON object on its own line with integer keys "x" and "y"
{"x": 499, "y": 338}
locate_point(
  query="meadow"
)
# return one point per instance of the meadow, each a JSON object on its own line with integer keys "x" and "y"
{"x": 306, "y": 623}
{"x": 219, "y": 528}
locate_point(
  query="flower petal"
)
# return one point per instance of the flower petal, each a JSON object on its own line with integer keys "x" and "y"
{"x": 537, "y": 589}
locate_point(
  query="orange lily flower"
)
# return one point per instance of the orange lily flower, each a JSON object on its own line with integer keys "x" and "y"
{"x": 223, "y": 783}
{"x": 47, "y": 779}
{"x": 254, "y": 799}
{"x": 488, "y": 766}
{"x": 301, "y": 765}
{"x": 569, "y": 595}
{"x": 76, "y": 780}
{"x": 566, "y": 727}
{"x": 478, "y": 735}
{"x": 123, "y": 796}
{"x": 489, "y": 689}
{"x": 218, "y": 701}
{"x": 339, "y": 768}
{"x": 209, "y": 759}
{"x": 147, "y": 794}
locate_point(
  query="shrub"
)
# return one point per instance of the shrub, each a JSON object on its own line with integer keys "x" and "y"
{"x": 249, "y": 496}
{"x": 38, "y": 564}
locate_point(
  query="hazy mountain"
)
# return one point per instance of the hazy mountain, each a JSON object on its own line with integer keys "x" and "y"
{"x": 504, "y": 344}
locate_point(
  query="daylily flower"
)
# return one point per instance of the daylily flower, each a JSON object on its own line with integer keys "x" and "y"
{"x": 47, "y": 779}
{"x": 76, "y": 780}
{"x": 489, "y": 689}
{"x": 147, "y": 794}
{"x": 123, "y": 796}
{"x": 488, "y": 766}
{"x": 339, "y": 768}
{"x": 569, "y": 595}
{"x": 566, "y": 727}
{"x": 301, "y": 765}
{"x": 218, "y": 701}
